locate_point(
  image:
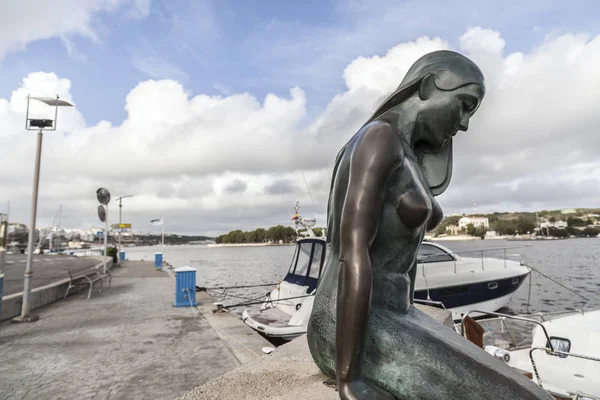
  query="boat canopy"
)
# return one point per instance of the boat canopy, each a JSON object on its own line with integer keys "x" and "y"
{"x": 307, "y": 263}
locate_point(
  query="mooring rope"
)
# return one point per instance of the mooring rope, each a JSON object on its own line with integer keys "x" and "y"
{"x": 261, "y": 302}
{"x": 201, "y": 288}
{"x": 558, "y": 283}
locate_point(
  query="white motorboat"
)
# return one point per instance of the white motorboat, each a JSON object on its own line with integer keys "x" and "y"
{"x": 444, "y": 279}
{"x": 286, "y": 310}
{"x": 461, "y": 284}
{"x": 562, "y": 355}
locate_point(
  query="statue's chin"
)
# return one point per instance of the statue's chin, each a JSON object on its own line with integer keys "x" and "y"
{"x": 426, "y": 146}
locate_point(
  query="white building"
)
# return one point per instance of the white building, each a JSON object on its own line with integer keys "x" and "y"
{"x": 557, "y": 224}
{"x": 453, "y": 229}
{"x": 476, "y": 221}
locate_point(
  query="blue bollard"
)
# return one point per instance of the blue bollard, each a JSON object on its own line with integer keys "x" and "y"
{"x": 122, "y": 256}
{"x": 158, "y": 260}
{"x": 185, "y": 287}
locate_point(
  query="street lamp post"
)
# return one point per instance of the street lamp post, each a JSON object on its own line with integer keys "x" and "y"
{"x": 40, "y": 125}
{"x": 120, "y": 222}
{"x": 103, "y": 196}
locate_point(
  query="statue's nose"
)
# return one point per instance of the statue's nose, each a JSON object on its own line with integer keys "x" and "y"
{"x": 464, "y": 123}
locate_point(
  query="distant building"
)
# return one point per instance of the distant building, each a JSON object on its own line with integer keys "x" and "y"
{"x": 17, "y": 228}
{"x": 491, "y": 234}
{"x": 453, "y": 229}
{"x": 557, "y": 224}
{"x": 476, "y": 221}
{"x": 568, "y": 211}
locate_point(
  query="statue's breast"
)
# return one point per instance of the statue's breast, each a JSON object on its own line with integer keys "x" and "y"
{"x": 414, "y": 204}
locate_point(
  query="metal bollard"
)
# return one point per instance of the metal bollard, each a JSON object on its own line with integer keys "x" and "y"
{"x": 185, "y": 287}
{"x": 158, "y": 260}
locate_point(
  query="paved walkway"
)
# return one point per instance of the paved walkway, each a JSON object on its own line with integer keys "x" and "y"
{"x": 127, "y": 343}
{"x": 46, "y": 270}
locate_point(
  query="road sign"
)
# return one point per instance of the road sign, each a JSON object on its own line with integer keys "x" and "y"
{"x": 122, "y": 230}
{"x": 121, "y": 226}
{"x": 103, "y": 196}
{"x": 102, "y": 213}
{"x": 99, "y": 234}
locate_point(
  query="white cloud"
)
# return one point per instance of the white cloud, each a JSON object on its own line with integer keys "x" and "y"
{"x": 25, "y": 21}
{"x": 157, "y": 67}
{"x": 214, "y": 163}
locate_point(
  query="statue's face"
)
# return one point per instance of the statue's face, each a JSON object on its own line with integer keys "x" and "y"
{"x": 444, "y": 113}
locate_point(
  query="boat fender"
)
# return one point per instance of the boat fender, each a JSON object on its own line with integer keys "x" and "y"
{"x": 498, "y": 353}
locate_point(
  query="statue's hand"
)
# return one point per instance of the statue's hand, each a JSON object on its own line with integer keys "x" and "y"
{"x": 361, "y": 390}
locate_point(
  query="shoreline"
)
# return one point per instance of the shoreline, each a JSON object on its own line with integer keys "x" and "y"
{"x": 248, "y": 244}
{"x": 454, "y": 237}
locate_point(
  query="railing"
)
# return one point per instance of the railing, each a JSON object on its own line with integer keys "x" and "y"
{"x": 585, "y": 369}
{"x": 496, "y": 249}
{"x": 500, "y": 315}
{"x": 424, "y": 261}
{"x": 430, "y": 302}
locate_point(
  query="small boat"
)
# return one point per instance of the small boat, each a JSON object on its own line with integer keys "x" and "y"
{"x": 561, "y": 353}
{"x": 444, "y": 280}
{"x": 285, "y": 312}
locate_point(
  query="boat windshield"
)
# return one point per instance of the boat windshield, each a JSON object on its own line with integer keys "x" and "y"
{"x": 306, "y": 264}
{"x": 429, "y": 253}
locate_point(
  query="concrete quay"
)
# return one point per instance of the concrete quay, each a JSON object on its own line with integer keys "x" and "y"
{"x": 130, "y": 342}
{"x": 50, "y": 279}
{"x": 287, "y": 373}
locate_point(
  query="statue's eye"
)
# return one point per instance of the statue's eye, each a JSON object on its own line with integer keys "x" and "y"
{"x": 468, "y": 105}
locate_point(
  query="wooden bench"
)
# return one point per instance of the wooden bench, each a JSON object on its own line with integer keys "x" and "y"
{"x": 88, "y": 278}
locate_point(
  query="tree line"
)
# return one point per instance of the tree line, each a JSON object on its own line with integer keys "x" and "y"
{"x": 521, "y": 223}
{"x": 260, "y": 235}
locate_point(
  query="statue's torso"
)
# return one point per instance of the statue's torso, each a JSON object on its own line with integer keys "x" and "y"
{"x": 409, "y": 210}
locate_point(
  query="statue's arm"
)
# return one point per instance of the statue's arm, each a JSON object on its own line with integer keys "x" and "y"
{"x": 373, "y": 157}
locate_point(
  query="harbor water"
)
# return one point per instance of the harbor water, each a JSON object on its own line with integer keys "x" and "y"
{"x": 574, "y": 263}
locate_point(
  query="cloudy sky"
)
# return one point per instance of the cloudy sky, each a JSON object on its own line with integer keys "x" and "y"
{"x": 214, "y": 114}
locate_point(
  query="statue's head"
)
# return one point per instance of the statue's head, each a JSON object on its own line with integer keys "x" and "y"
{"x": 445, "y": 88}
{"x": 451, "y": 88}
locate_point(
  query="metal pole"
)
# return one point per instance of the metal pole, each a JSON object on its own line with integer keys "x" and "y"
{"x": 120, "y": 220}
{"x": 120, "y": 207}
{"x": 3, "y": 244}
{"x": 162, "y": 246}
{"x": 26, "y": 307}
{"x": 105, "y": 239}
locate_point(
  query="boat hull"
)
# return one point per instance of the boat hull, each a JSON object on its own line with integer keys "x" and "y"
{"x": 484, "y": 296}
{"x": 270, "y": 331}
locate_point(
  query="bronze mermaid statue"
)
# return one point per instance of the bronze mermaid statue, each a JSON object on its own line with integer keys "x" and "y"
{"x": 364, "y": 331}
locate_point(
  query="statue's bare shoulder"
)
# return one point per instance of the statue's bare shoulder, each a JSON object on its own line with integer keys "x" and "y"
{"x": 377, "y": 147}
